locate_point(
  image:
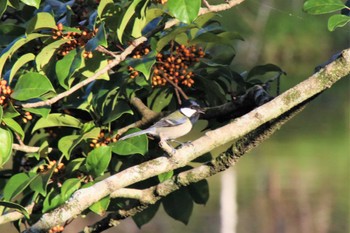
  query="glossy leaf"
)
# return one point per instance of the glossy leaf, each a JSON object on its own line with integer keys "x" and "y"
{"x": 159, "y": 99}
{"x": 129, "y": 13}
{"x": 184, "y": 10}
{"x": 34, "y": 3}
{"x": 56, "y": 120}
{"x": 43, "y": 59}
{"x": 41, "y": 20}
{"x": 67, "y": 66}
{"x": 40, "y": 182}
{"x": 67, "y": 143}
{"x": 146, "y": 215}
{"x": 14, "y": 46}
{"x": 15, "y": 185}
{"x": 19, "y": 63}
{"x": 69, "y": 187}
{"x": 52, "y": 200}
{"x": 323, "y": 7}
{"x": 31, "y": 85}
{"x": 6, "y": 140}
{"x": 337, "y": 21}
{"x": 15, "y": 206}
{"x": 145, "y": 64}
{"x": 12, "y": 124}
{"x": 179, "y": 210}
{"x": 114, "y": 110}
{"x": 98, "y": 160}
{"x": 165, "y": 176}
{"x": 101, "y": 7}
{"x": 101, "y": 206}
{"x": 134, "y": 145}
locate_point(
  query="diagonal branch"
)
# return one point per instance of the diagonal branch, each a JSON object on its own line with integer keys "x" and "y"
{"x": 234, "y": 130}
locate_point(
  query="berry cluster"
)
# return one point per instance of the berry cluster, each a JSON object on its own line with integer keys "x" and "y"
{"x": 103, "y": 139}
{"x": 5, "y": 92}
{"x": 175, "y": 66}
{"x": 75, "y": 40}
{"x": 140, "y": 51}
{"x": 45, "y": 167}
{"x": 26, "y": 116}
{"x": 132, "y": 72}
{"x": 56, "y": 229}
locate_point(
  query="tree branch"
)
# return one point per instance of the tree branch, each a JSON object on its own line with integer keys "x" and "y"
{"x": 236, "y": 129}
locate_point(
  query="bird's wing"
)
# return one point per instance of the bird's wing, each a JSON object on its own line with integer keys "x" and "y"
{"x": 167, "y": 122}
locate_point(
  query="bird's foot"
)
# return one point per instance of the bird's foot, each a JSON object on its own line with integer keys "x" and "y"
{"x": 167, "y": 148}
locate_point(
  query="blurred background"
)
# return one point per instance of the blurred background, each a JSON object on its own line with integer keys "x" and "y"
{"x": 298, "y": 181}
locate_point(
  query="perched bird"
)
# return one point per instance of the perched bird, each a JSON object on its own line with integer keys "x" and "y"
{"x": 173, "y": 126}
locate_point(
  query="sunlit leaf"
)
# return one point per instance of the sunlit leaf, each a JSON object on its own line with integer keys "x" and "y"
{"x": 6, "y": 140}
{"x": 19, "y": 63}
{"x": 69, "y": 187}
{"x": 12, "y": 124}
{"x": 31, "y": 85}
{"x": 129, "y": 13}
{"x": 56, "y": 120}
{"x": 34, "y": 3}
{"x": 337, "y": 21}
{"x": 323, "y": 6}
{"x": 15, "y": 185}
{"x": 184, "y": 10}
{"x": 101, "y": 206}
{"x": 98, "y": 159}
{"x": 41, "y": 20}
{"x": 134, "y": 145}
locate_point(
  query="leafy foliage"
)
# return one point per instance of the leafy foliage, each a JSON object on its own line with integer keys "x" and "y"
{"x": 58, "y": 45}
{"x": 329, "y": 6}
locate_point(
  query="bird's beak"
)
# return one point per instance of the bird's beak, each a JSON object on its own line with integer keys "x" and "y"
{"x": 201, "y": 110}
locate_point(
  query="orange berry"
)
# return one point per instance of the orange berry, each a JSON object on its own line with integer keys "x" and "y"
{"x": 60, "y": 26}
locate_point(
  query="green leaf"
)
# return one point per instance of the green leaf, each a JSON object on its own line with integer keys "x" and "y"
{"x": 1, "y": 113}
{"x": 73, "y": 166}
{"x": 31, "y": 85}
{"x": 129, "y": 13}
{"x": 43, "y": 58}
{"x": 19, "y": 63}
{"x": 67, "y": 66}
{"x": 165, "y": 176}
{"x": 42, "y": 111}
{"x": 15, "y": 185}
{"x": 92, "y": 66}
{"x": 13, "y": 47}
{"x": 134, "y": 145}
{"x": 102, "y": 5}
{"x": 68, "y": 143}
{"x": 56, "y": 120}
{"x": 323, "y": 6}
{"x": 15, "y": 206}
{"x": 144, "y": 65}
{"x": 98, "y": 160}
{"x": 52, "y": 200}
{"x": 6, "y": 140}
{"x": 337, "y": 21}
{"x": 69, "y": 187}
{"x": 171, "y": 36}
{"x": 11, "y": 111}
{"x": 263, "y": 69}
{"x": 99, "y": 39}
{"x": 34, "y": 3}
{"x": 199, "y": 192}
{"x": 9, "y": 32}
{"x": 115, "y": 109}
{"x": 179, "y": 210}
{"x": 3, "y": 6}
{"x": 40, "y": 182}
{"x": 41, "y": 20}
{"x": 101, "y": 206}
{"x": 184, "y": 10}
{"x": 146, "y": 215}
{"x": 12, "y": 124}
{"x": 159, "y": 99}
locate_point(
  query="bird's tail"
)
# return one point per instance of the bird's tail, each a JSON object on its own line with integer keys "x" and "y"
{"x": 136, "y": 134}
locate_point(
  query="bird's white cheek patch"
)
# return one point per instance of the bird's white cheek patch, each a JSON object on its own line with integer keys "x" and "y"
{"x": 188, "y": 111}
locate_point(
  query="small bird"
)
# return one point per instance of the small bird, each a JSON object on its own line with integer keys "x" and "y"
{"x": 175, "y": 125}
